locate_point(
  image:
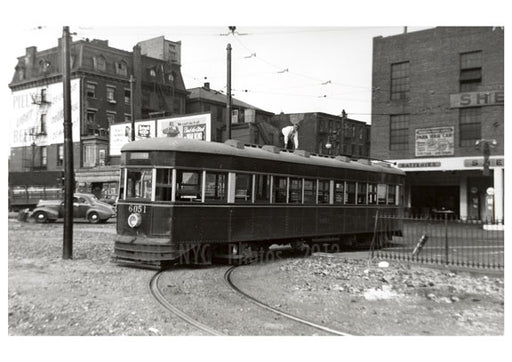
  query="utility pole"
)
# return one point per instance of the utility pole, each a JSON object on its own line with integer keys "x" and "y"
{"x": 69, "y": 175}
{"x": 132, "y": 105}
{"x": 228, "y": 105}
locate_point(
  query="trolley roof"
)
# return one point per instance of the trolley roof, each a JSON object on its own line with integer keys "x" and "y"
{"x": 238, "y": 149}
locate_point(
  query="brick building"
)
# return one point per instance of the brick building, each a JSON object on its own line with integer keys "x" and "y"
{"x": 249, "y": 124}
{"x": 328, "y": 134}
{"x": 437, "y": 107}
{"x": 101, "y": 95}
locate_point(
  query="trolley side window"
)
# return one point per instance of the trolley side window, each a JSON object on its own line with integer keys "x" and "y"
{"x": 262, "y": 188}
{"x": 310, "y": 191}
{"x": 351, "y": 193}
{"x": 188, "y": 185}
{"x": 163, "y": 184}
{"x": 243, "y": 188}
{"x": 295, "y": 195}
{"x": 323, "y": 191}
{"x": 381, "y": 194}
{"x": 372, "y": 194}
{"x": 139, "y": 183}
{"x": 361, "y": 193}
{"x": 339, "y": 192}
{"x": 216, "y": 186}
{"x": 391, "y": 194}
{"x": 280, "y": 189}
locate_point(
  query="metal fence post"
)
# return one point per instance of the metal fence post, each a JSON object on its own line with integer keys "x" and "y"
{"x": 446, "y": 237}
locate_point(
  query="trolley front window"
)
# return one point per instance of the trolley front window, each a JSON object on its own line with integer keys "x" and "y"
{"x": 163, "y": 184}
{"x": 139, "y": 184}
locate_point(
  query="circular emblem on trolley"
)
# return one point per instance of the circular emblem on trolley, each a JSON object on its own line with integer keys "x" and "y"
{"x": 134, "y": 220}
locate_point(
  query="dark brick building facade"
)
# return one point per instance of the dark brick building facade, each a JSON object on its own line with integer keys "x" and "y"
{"x": 103, "y": 80}
{"x": 328, "y": 134}
{"x": 436, "y": 94}
{"x": 249, "y": 124}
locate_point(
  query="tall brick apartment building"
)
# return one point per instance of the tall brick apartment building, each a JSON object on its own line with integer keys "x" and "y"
{"x": 438, "y": 106}
{"x": 101, "y": 96}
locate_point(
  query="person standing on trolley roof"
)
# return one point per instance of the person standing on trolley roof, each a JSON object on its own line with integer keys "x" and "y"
{"x": 291, "y": 137}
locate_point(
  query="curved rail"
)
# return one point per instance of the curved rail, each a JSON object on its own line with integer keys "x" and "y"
{"x": 227, "y": 278}
{"x": 157, "y": 294}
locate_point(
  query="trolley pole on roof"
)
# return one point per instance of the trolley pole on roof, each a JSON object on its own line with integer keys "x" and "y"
{"x": 228, "y": 105}
{"x": 132, "y": 106}
{"x": 69, "y": 177}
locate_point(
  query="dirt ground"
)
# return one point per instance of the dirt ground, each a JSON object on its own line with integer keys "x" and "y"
{"x": 91, "y": 296}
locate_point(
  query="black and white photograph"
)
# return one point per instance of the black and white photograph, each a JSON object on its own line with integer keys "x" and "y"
{"x": 259, "y": 183}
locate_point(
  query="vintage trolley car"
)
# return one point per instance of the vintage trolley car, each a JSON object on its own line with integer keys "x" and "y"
{"x": 181, "y": 197}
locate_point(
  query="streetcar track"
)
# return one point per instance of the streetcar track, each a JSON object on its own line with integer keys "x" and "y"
{"x": 229, "y": 282}
{"x": 157, "y": 294}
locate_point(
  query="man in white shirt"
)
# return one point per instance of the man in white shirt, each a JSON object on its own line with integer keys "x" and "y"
{"x": 291, "y": 134}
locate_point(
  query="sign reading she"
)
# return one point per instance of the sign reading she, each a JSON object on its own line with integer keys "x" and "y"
{"x": 434, "y": 141}
{"x": 472, "y": 99}
{"x": 494, "y": 162}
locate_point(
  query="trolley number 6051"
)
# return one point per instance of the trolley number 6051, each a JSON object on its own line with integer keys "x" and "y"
{"x": 141, "y": 209}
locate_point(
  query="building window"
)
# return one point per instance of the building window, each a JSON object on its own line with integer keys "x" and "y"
{"x": 152, "y": 72}
{"x": 470, "y": 71}
{"x": 469, "y": 126}
{"x": 399, "y": 132}
{"x": 400, "y": 81}
{"x": 111, "y": 94}
{"x": 90, "y": 123}
{"x": 127, "y": 97}
{"x": 111, "y": 118}
{"x": 100, "y": 63}
{"x": 122, "y": 68}
{"x": 90, "y": 90}
{"x": 60, "y": 155}
{"x": 42, "y": 124}
{"x": 44, "y": 156}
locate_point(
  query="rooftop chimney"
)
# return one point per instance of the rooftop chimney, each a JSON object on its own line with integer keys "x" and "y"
{"x": 207, "y": 85}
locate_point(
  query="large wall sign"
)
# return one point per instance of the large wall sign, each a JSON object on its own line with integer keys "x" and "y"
{"x": 121, "y": 134}
{"x": 434, "y": 141}
{"x": 473, "y": 99}
{"x": 30, "y": 110}
{"x": 195, "y": 127}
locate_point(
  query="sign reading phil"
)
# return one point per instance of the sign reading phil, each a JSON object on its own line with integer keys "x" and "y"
{"x": 472, "y": 99}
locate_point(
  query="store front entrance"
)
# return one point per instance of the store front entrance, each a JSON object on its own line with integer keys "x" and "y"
{"x": 426, "y": 200}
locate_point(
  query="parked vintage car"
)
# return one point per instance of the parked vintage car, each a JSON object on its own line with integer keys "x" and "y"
{"x": 85, "y": 206}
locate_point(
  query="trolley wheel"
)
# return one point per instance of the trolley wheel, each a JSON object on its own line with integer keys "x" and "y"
{"x": 41, "y": 217}
{"x": 93, "y": 217}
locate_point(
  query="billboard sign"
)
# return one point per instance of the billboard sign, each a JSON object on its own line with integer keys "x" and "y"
{"x": 120, "y": 134}
{"x": 197, "y": 127}
{"x": 434, "y": 141}
{"x": 41, "y": 120}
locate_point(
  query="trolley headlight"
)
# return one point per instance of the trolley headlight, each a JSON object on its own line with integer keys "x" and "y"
{"x": 134, "y": 220}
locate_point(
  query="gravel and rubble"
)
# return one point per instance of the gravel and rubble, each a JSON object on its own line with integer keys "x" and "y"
{"x": 92, "y": 296}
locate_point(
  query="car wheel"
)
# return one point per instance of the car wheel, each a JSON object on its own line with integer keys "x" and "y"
{"x": 40, "y": 217}
{"x": 93, "y": 217}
